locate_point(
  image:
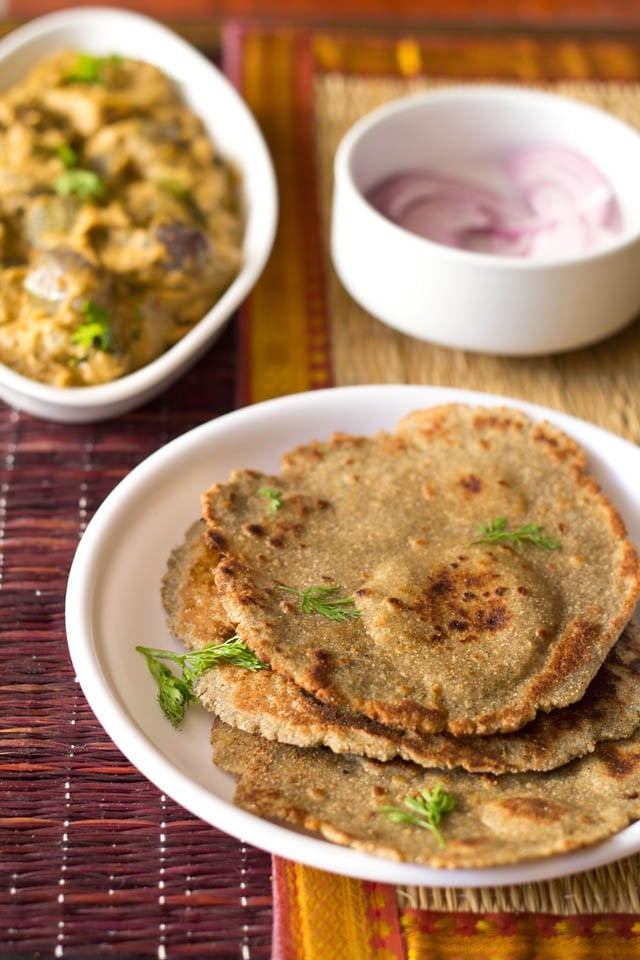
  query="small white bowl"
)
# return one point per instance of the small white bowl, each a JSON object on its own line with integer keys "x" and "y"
{"x": 229, "y": 122}
{"x": 477, "y": 301}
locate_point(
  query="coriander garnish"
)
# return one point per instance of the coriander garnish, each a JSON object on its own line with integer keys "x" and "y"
{"x": 68, "y": 155}
{"x": 425, "y": 810}
{"x": 496, "y": 532}
{"x": 85, "y": 184}
{"x": 175, "y": 693}
{"x": 90, "y": 69}
{"x": 95, "y": 330}
{"x": 323, "y": 600}
{"x": 274, "y": 496}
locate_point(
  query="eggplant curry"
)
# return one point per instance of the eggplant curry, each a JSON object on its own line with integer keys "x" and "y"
{"x": 120, "y": 224}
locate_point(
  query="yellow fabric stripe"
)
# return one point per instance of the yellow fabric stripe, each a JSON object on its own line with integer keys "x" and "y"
{"x": 443, "y": 947}
{"x": 485, "y": 942}
{"x": 329, "y": 916}
{"x": 520, "y": 58}
{"x": 280, "y": 357}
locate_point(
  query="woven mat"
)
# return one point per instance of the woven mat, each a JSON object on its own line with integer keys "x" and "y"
{"x": 599, "y": 384}
{"x": 94, "y": 860}
{"x": 322, "y": 83}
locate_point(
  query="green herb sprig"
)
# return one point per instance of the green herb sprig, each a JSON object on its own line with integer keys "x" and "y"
{"x": 90, "y": 69}
{"x": 68, "y": 155}
{"x": 95, "y": 329}
{"x": 85, "y": 184}
{"x": 497, "y": 532}
{"x": 425, "y": 810}
{"x": 323, "y": 600}
{"x": 274, "y": 497}
{"x": 176, "y": 692}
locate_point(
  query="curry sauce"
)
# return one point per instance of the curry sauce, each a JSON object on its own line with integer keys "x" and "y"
{"x": 120, "y": 223}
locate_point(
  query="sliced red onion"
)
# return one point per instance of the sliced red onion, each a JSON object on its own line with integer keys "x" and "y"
{"x": 559, "y": 204}
{"x": 541, "y": 172}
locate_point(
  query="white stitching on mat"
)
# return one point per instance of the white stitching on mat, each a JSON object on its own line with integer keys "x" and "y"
{"x": 162, "y": 849}
{"x": 9, "y": 462}
{"x": 245, "y": 949}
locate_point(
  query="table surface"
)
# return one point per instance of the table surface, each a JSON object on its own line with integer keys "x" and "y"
{"x": 590, "y": 15}
{"x": 93, "y": 859}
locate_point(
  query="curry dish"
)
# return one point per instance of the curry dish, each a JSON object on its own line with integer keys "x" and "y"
{"x": 120, "y": 224}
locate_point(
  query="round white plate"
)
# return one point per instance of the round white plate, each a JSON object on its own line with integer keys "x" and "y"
{"x": 113, "y": 603}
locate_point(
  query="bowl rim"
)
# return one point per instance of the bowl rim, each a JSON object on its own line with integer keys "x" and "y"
{"x": 464, "y": 92}
{"x": 121, "y": 392}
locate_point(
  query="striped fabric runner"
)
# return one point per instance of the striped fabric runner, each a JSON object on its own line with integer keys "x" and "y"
{"x": 285, "y": 348}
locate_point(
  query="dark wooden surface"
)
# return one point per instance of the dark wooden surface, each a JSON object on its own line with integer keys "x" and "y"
{"x": 592, "y": 15}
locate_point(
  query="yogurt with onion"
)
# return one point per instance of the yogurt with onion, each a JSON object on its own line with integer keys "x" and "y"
{"x": 539, "y": 201}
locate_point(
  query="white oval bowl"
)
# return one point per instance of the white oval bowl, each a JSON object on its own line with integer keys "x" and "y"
{"x": 476, "y": 301}
{"x": 233, "y": 129}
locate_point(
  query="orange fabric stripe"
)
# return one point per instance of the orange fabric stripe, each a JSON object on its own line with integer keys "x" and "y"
{"x": 515, "y": 58}
{"x": 322, "y": 916}
{"x": 284, "y": 329}
{"x": 516, "y": 937}
{"x": 285, "y": 348}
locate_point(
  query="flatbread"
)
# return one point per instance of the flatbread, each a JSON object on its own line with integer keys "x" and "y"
{"x": 452, "y": 634}
{"x": 497, "y": 820}
{"x": 194, "y": 612}
{"x": 274, "y": 707}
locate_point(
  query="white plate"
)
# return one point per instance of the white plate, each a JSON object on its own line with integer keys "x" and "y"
{"x": 113, "y": 603}
{"x": 232, "y": 127}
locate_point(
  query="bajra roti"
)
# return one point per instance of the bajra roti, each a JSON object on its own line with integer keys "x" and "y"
{"x": 452, "y": 634}
{"x": 273, "y": 706}
{"x": 194, "y": 612}
{"x": 497, "y": 820}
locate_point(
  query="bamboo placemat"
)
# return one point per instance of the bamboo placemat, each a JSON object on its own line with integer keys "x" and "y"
{"x": 333, "y": 80}
{"x": 600, "y": 384}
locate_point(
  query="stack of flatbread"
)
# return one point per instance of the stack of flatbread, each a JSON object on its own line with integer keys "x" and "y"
{"x": 444, "y": 607}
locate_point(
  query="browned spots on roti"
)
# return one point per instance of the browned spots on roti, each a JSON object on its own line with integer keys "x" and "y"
{"x": 319, "y": 669}
{"x": 558, "y": 445}
{"x": 216, "y": 539}
{"x": 630, "y": 560}
{"x": 574, "y": 653}
{"x": 396, "y": 715}
{"x": 534, "y": 809}
{"x": 619, "y": 761}
{"x": 470, "y": 484}
{"x": 255, "y": 529}
{"x": 394, "y": 602}
{"x": 453, "y": 600}
{"x": 490, "y": 421}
